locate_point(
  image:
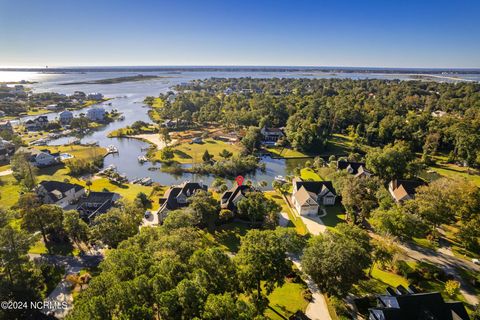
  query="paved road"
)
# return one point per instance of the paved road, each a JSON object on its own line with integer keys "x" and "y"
{"x": 317, "y": 309}
{"x": 62, "y": 294}
{"x": 449, "y": 263}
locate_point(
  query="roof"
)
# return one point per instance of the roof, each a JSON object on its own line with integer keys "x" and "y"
{"x": 352, "y": 167}
{"x": 170, "y": 200}
{"x": 302, "y": 196}
{"x": 97, "y": 203}
{"x": 315, "y": 187}
{"x": 229, "y": 197}
{"x": 60, "y": 186}
{"x": 418, "y": 306}
{"x": 402, "y": 189}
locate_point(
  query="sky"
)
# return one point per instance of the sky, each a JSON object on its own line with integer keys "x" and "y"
{"x": 367, "y": 33}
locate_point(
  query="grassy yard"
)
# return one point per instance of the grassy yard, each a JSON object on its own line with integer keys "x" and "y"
{"x": 77, "y": 151}
{"x": 281, "y": 152}
{"x": 308, "y": 174}
{"x": 228, "y": 235}
{"x": 452, "y": 171}
{"x": 286, "y": 300}
{"x": 335, "y": 215}
{"x": 294, "y": 220}
{"x": 9, "y": 191}
{"x": 192, "y": 153}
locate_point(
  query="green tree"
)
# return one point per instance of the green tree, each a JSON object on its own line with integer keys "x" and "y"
{"x": 452, "y": 288}
{"x": 398, "y": 223}
{"x": 256, "y": 207}
{"x": 23, "y": 171}
{"x": 117, "y": 224}
{"x": 391, "y": 162}
{"x": 252, "y": 140}
{"x": 262, "y": 262}
{"x": 206, "y": 208}
{"x": 207, "y": 157}
{"x": 328, "y": 258}
{"x": 225, "y": 154}
{"x": 167, "y": 154}
{"x": 76, "y": 229}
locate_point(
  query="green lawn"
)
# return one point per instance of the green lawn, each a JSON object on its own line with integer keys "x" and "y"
{"x": 286, "y": 153}
{"x": 64, "y": 249}
{"x": 228, "y": 235}
{"x": 9, "y": 191}
{"x": 192, "y": 153}
{"x": 335, "y": 215}
{"x": 451, "y": 170}
{"x": 77, "y": 151}
{"x": 286, "y": 300}
{"x": 294, "y": 220}
{"x": 308, "y": 174}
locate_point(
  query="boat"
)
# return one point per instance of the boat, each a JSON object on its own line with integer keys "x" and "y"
{"x": 112, "y": 149}
{"x": 142, "y": 159}
{"x": 136, "y": 180}
{"x": 146, "y": 181}
{"x": 121, "y": 118}
{"x": 280, "y": 179}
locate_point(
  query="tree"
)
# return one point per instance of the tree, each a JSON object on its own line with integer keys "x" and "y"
{"x": 384, "y": 252}
{"x": 206, "y": 208}
{"x": 262, "y": 261}
{"x": 142, "y": 200}
{"x": 47, "y": 219}
{"x": 328, "y": 258}
{"x": 391, "y": 162}
{"x": 225, "y": 154}
{"x": 167, "y": 154}
{"x": 76, "y": 229}
{"x": 306, "y": 134}
{"x": 164, "y": 134}
{"x": 207, "y": 157}
{"x": 23, "y": 171}
{"x": 398, "y": 223}
{"x": 452, "y": 287}
{"x": 224, "y": 306}
{"x": 88, "y": 183}
{"x": 256, "y": 207}
{"x": 252, "y": 140}
{"x": 359, "y": 197}
{"x": 117, "y": 224}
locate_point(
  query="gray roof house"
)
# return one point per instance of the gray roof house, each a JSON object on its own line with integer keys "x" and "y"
{"x": 176, "y": 197}
{"x": 59, "y": 193}
{"x": 307, "y": 196}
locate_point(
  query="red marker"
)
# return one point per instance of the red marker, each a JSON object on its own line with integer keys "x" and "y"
{"x": 239, "y": 180}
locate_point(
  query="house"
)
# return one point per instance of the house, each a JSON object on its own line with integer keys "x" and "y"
{"x": 66, "y": 117}
{"x": 79, "y": 95}
{"x": 39, "y": 158}
{"x": 228, "y": 91}
{"x": 358, "y": 169}
{"x": 38, "y": 123}
{"x": 402, "y": 303}
{"x": 58, "y": 193}
{"x": 7, "y": 149}
{"x": 231, "y": 197}
{"x": 6, "y": 126}
{"x": 96, "y": 114}
{"x": 308, "y": 196}
{"x": 96, "y": 203}
{"x": 438, "y": 113}
{"x": 176, "y": 197}
{"x": 52, "y": 107}
{"x": 402, "y": 190}
{"x": 271, "y": 135}
{"x": 95, "y": 96}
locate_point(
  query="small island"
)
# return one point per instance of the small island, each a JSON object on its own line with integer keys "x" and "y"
{"x": 139, "y": 77}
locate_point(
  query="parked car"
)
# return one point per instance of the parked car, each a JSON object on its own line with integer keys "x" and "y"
{"x": 147, "y": 214}
{"x": 476, "y": 261}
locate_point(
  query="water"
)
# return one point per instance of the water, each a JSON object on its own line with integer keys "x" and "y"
{"x": 128, "y": 98}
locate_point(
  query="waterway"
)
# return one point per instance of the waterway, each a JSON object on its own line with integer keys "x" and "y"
{"x": 127, "y": 97}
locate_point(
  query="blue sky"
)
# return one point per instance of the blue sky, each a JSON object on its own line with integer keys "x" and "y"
{"x": 388, "y": 33}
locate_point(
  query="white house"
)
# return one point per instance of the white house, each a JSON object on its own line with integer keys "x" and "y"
{"x": 96, "y": 114}
{"x": 43, "y": 159}
{"x": 59, "y": 193}
{"x": 95, "y": 96}
{"x": 66, "y": 117}
{"x": 307, "y": 196}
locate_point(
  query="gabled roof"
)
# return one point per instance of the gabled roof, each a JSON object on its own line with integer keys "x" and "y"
{"x": 169, "y": 200}
{"x": 229, "y": 197}
{"x": 315, "y": 187}
{"x": 97, "y": 203}
{"x": 302, "y": 196}
{"x": 419, "y": 306}
{"x": 60, "y": 186}
{"x": 352, "y": 167}
{"x": 403, "y": 189}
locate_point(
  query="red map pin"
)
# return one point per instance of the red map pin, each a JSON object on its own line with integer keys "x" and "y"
{"x": 239, "y": 180}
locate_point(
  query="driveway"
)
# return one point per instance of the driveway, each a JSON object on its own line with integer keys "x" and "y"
{"x": 317, "y": 309}
{"x": 5, "y": 172}
{"x": 314, "y": 224}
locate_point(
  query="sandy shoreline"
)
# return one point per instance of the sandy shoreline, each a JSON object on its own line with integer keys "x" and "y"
{"x": 152, "y": 138}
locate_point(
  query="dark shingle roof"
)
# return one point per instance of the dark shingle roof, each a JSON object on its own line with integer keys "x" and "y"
{"x": 343, "y": 165}
{"x": 60, "y": 186}
{"x": 410, "y": 186}
{"x": 315, "y": 186}
{"x": 229, "y": 196}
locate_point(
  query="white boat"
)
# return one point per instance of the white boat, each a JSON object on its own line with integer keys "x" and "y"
{"x": 112, "y": 149}
{"x": 146, "y": 181}
{"x": 280, "y": 178}
{"x": 142, "y": 159}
